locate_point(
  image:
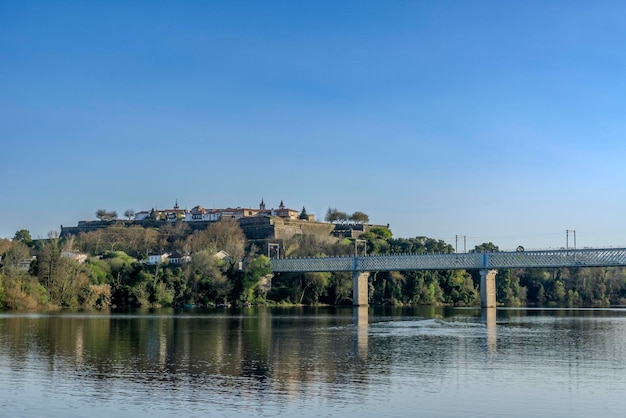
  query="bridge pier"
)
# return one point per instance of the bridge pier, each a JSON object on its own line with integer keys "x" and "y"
{"x": 488, "y": 288}
{"x": 360, "y": 288}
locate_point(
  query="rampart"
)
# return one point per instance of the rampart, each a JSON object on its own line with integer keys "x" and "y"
{"x": 255, "y": 228}
{"x": 287, "y": 228}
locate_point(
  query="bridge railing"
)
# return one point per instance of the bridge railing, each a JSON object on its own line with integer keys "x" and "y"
{"x": 464, "y": 261}
{"x": 559, "y": 258}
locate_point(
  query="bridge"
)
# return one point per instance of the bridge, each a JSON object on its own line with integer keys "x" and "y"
{"x": 487, "y": 263}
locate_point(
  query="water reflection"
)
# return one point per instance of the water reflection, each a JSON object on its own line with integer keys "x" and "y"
{"x": 489, "y": 316}
{"x": 361, "y": 322}
{"x": 282, "y": 361}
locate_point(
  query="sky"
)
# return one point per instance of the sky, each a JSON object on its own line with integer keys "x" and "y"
{"x": 465, "y": 121}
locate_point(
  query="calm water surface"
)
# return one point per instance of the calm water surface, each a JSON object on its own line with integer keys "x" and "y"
{"x": 314, "y": 363}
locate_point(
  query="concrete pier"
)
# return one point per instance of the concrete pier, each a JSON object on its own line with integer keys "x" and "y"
{"x": 360, "y": 288}
{"x": 488, "y": 288}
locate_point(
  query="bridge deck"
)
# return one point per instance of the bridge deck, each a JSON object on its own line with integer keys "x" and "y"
{"x": 603, "y": 257}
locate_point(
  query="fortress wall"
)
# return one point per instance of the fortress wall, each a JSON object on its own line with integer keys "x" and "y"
{"x": 254, "y": 228}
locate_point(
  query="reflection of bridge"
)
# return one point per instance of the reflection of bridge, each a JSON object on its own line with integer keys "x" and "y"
{"x": 487, "y": 263}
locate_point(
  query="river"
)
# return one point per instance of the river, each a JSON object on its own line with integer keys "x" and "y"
{"x": 315, "y": 362}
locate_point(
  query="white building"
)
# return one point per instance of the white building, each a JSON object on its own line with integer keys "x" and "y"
{"x": 157, "y": 258}
{"x": 198, "y": 213}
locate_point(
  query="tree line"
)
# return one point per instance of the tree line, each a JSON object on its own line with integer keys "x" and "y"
{"x": 45, "y": 273}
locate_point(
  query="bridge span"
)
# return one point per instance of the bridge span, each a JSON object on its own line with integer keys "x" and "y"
{"x": 486, "y": 263}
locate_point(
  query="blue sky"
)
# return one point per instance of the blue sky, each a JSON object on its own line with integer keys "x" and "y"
{"x": 500, "y": 121}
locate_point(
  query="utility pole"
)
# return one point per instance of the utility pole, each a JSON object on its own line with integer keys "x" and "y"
{"x": 456, "y": 243}
{"x": 567, "y": 231}
{"x": 275, "y": 247}
{"x": 358, "y": 242}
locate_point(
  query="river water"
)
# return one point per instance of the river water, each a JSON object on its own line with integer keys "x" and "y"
{"x": 298, "y": 362}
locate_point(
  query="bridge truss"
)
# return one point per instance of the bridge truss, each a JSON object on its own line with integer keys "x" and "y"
{"x": 603, "y": 257}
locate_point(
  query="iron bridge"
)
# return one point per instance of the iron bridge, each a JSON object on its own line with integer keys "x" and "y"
{"x": 600, "y": 257}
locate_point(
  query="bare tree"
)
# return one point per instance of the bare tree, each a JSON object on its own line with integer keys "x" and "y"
{"x": 101, "y": 214}
{"x": 16, "y": 253}
{"x": 129, "y": 213}
{"x": 105, "y": 215}
{"x": 224, "y": 235}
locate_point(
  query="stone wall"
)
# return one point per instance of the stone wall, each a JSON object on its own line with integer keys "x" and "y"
{"x": 353, "y": 230}
{"x": 89, "y": 226}
{"x": 287, "y": 228}
{"x": 255, "y": 228}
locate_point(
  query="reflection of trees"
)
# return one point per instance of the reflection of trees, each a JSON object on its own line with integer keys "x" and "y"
{"x": 290, "y": 351}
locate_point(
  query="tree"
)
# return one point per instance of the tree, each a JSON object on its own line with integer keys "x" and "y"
{"x": 63, "y": 277}
{"x": 335, "y": 216}
{"x": 342, "y": 217}
{"x": 224, "y": 235}
{"x": 419, "y": 245}
{"x": 17, "y": 253}
{"x": 332, "y": 215}
{"x": 256, "y": 269}
{"x": 378, "y": 232}
{"x": 105, "y": 215}
{"x": 23, "y": 236}
{"x": 359, "y": 218}
{"x": 129, "y": 213}
{"x": 48, "y": 261}
{"x": 486, "y": 247}
{"x": 5, "y": 244}
{"x": 340, "y": 288}
{"x": 203, "y": 269}
{"x": 172, "y": 235}
{"x": 311, "y": 286}
{"x": 303, "y": 215}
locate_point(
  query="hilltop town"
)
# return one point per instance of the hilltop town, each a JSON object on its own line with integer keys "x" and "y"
{"x": 199, "y": 213}
{"x": 257, "y": 223}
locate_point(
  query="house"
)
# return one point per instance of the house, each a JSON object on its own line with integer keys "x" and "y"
{"x": 283, "y": 212}
{"x": 178, "y": 258}
{"x": 25, "y": 264}
{"x": 140, "y": 216}
{"x": 172, "y": 215}
{"x": 238, "y": 213}
{"x": 221, "y": 254}
{"x": 198, "y": 213}
{"x": 157, "y": 258}
{"x": 78, "y": 257}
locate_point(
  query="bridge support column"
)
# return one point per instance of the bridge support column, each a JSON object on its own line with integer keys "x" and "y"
{"x": 488, "y": 288}
{"x": 359, "y": 288}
